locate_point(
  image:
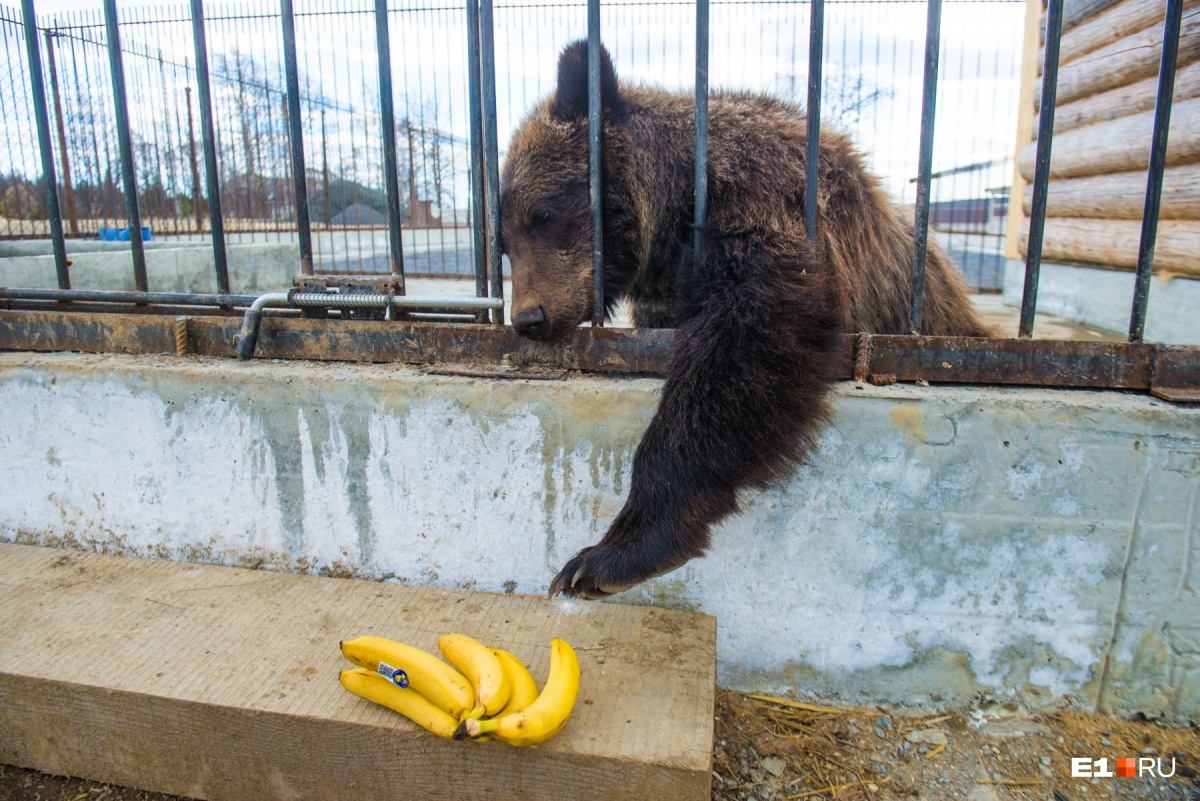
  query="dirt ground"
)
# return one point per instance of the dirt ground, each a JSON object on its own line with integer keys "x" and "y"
{"x": 777, "y": 749}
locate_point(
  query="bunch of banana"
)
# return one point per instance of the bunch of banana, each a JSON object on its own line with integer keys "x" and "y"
{"x": 494, "y": 696}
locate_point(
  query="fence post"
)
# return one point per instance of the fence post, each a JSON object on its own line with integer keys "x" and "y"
{"x": 384, "y": 53}
{"x": 68, "y": 189}
{"x": 125, "y": 146}
{"x": 700, "y": 202}
{"x": 41, "y": 117}
{"x": 1041, "y": 172}
{"x": 812, "y": 154}
{"x": 1158, "y": 160}
{"x": 491, "y": 155}
{"x": 925, "y": 164}
{"x": 209, "y": 141}
{"x": 475, "y": 95}
{"x": 296, "y": 135}
{"x": 594, "y": 156}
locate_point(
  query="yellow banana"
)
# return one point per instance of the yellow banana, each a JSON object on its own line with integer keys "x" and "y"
{"x": 546, "y": 716}
{"x": 426, "y": 674}
{"x": 523, "y": 689}
{"x": 408, "y": 702}
{"x": 483, "y": 670}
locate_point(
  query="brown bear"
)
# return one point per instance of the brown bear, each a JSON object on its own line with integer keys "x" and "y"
{"x": 757, "y": 315}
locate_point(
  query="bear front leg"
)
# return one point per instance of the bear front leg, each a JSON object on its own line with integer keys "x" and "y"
{"x": 744, "y": 397}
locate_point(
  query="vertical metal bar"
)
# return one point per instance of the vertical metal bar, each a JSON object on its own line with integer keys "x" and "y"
{"x": 701, "y": 199}
{"x": 925, "y": 163}
{"x": 60, "y": 124}
{"x": 384, "y": 48}
{"x": 491, "y": 156}
{"x": 594, "y": 166}
{"x": 475, "y": 102}
{"x": 296, "y": 134}
{"x": 209, "y": 143}
{"x": 187, "y": 91}
{"x": 1041, "y": 172}
{"x": 41, "y": 117}
{"x": 125, "y": 145}
{"x": 816, "y": 59}
{"x": 1158, "y": 159}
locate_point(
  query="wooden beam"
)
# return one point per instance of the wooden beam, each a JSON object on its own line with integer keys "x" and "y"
{"x": 1075, "y": 12}
{"x": 1119, "y": 145}
{"x": 1116, "y": 23}
{"x": 1133, "y": 98}
{"x": 1126, "y": 60}
{"x": 1122, "y": 195}
{"x": 1114, "y": 243}
{"x": 215, "y": 682}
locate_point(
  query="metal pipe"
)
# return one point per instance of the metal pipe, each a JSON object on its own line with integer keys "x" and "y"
{"x": 594, "y": 165}
{"x": 491, "y": 156}
{"x": 925, "y": 164}
{"x": 1041, "y": 172}
{"x": 109, "y": 296}
{"x": 42, "y": 118}
{"x": 125, "y": 145}
{"x": 209, "y": 144}
{"x": 1158, "y": 158}
{"x": 383, "y": 49}
{"x": 475, "y": 102}
{"x": 296, "y": 135}
{"x": 701, "y": 199}
{"x": 816, "y": 59}
{"x": 247, "y": 340}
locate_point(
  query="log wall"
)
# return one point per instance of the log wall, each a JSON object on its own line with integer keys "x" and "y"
{"x": 1108, "y": 79}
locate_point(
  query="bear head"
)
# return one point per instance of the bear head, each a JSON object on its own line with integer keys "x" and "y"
{"x": 545, "y": 207}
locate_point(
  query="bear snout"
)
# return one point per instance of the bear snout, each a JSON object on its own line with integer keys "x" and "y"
{"x": 533, "y": 323}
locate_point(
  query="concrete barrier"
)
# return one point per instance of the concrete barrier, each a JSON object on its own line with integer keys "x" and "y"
{"x": 253, "y": 268}
{"x": 1104, "y": 299}
{"x": 942, "y": 547}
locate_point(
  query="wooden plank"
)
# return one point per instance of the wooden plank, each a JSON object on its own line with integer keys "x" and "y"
{"x": 1075, "y": 12}
{"x": 1116, "y": 23}
{"x": 1114, "y": 243}
{"x": 1130, "y": 59}
{"x": 1123, "y": 101}
{"x": 216, "y": 682}
{"x": 1122, "y": 195}
{"x": 1119, "y": 145}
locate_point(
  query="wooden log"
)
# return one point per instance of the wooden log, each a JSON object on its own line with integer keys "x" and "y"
{"x": 1126, "y": 60}
{"x": 1116, "y": 23}
{"x": 214, "y": 682}
{"x": 1122, "y": 101}
{"x": 1122, "y": 195}
{"x": 1119, "y": 145}
{"x": 1114, "y": 243}
{"x": 1076, "y": 12}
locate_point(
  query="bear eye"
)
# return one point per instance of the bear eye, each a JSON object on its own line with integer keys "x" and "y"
{"x": 542, "y": 216}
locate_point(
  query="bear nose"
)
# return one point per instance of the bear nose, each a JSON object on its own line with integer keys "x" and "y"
{"x": 533, "y": 323}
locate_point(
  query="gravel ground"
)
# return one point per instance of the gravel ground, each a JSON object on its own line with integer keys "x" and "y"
{"x": 772, "y": 750}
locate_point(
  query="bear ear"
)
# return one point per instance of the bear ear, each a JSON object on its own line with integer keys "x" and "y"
{"x": 571, "y": 98}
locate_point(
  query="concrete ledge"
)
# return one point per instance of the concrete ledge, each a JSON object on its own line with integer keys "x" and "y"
{"x": 943, "y": 545}
{"x": 1104, "y": 299}
{"x": 253, "y": 269}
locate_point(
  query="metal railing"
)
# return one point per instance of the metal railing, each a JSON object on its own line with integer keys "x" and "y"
{"x": 1185, "y": 368}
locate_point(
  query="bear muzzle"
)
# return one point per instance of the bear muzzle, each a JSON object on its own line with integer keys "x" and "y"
{"x": 532, "y": 323}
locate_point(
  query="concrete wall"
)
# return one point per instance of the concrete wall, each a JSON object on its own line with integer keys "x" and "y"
{"x": 1103, "y": 298}
{"x": 943, "y": 545}
{"x": 253, "y": 269}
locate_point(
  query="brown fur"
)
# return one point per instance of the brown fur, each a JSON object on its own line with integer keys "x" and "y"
{"x": 757, "y": 316}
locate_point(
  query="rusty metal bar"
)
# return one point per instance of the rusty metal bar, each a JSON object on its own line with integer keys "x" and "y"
{"x": 1041, "y": 173}
{"x": 1154, "y": 175}
{"x": 61, "y": 130}
{"x": 933, "y": 29}
{"x": 125, "y": 145}
{"x": 42, "y": 118}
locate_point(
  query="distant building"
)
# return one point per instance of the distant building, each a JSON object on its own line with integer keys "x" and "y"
{"x": 358, "y": 214}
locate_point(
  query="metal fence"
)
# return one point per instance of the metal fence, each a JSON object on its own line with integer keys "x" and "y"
{"x": 871, "y": 87}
